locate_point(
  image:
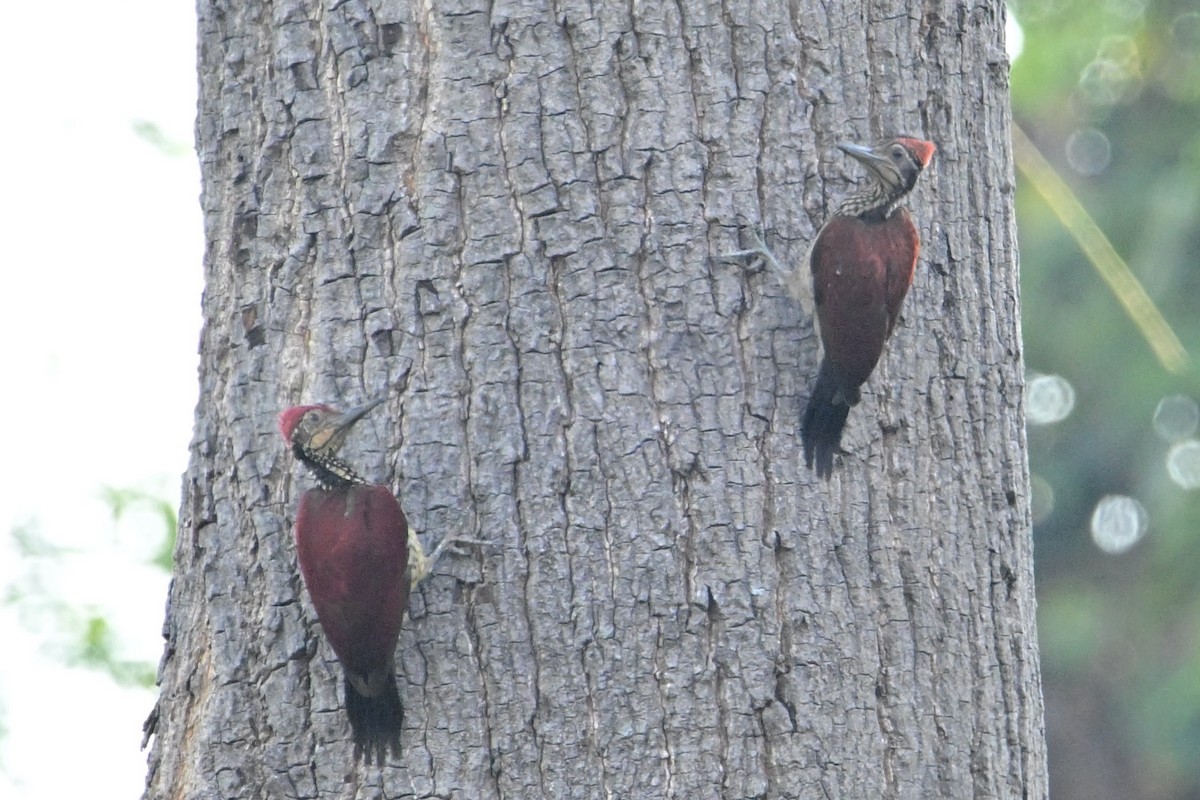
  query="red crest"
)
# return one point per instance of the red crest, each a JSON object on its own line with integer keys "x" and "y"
{"x": 921, "y": 150}
{"x": 289, "y": 419}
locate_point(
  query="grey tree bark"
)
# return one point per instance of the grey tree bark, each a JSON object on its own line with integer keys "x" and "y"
{"x": 504, "y": 216}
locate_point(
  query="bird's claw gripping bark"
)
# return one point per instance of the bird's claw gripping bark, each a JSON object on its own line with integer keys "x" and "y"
{"x": 420, "y": 563}
{"x": 759, "y": 248}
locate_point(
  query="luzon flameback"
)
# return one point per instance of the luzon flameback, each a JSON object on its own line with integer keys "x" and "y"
{"x": 862, "y": 263}
{"x": 359, "y": 561}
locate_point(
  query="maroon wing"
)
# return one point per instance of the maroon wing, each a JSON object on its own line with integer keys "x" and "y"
{"x": 353, "y": 550}
{"x": 903, "y": 245}
{"x": 861, "y": 273}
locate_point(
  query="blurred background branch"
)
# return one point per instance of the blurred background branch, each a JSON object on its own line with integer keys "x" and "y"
{"x": 1100, "y": 252}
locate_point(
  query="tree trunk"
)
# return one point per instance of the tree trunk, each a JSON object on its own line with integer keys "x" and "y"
{"x": 505, "y": 217}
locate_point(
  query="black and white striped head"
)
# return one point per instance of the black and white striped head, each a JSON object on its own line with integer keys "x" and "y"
{"x": 894, "y": 167}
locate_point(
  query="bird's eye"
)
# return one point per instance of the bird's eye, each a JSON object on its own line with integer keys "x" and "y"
{"x": 897, "y": 153}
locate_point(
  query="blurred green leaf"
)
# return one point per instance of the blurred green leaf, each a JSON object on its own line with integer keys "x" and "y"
{"x": 153, "y": 135}
{"x": 122, "y": 501}
{"x": 95, "y": 648}
{"x": 82, "y": 636}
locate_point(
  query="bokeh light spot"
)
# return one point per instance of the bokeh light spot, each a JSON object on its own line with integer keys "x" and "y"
{"x": 1183, "y": 464}
{"x": 1014, "y": 38}
{"x": 1176, "y": 417}
{"x": 1122, "y": 50}
{"x": 1048, "y": 399}
{"x": 1088, "y": 151}
{"x": 1106, "y": 81}
{"x": 1118, "y": 523}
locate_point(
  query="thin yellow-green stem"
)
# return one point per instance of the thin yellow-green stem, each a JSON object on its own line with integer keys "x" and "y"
{"x": 1100, "y": 252}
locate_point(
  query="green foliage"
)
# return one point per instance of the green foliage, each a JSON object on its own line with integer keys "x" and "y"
{"x": 122, "y": 501}
{"x": 82, "y": 636}
{"x": 153, "y": 135}
{"x": 1125, "y": 73}
{"x": 1066, "y": 45}
{"x": 95, "y": 647}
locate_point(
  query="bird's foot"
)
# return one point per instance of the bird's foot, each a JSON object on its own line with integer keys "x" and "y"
{"x": 421, "y": 563}
{"x": 758, "y": 248}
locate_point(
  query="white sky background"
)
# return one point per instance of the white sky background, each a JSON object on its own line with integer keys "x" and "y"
{"x": 99, "y": 324}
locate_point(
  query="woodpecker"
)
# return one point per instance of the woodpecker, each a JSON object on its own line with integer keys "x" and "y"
{"x": 359, "y": 561}
{"x": 862, "y": 262}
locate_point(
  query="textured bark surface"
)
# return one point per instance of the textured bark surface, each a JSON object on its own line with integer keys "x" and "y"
{"x": 504, "y": 216}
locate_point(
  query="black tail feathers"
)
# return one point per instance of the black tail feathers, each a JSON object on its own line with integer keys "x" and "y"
{"x": 375, "y": 721}
{"x": 824, "y": 420}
